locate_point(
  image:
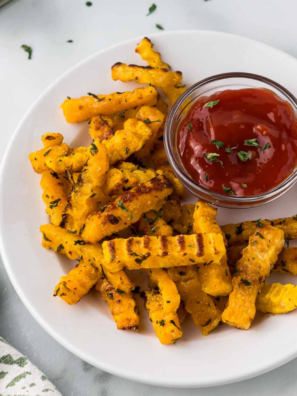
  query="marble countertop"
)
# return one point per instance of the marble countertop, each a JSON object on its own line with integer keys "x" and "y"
{"x": 46, "y": 26}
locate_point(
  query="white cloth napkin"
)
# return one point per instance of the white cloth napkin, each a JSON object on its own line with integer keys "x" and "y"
{"x": 19, "y": 377}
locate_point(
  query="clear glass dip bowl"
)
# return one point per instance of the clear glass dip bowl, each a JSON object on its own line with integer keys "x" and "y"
{"x": 179, "y": 111}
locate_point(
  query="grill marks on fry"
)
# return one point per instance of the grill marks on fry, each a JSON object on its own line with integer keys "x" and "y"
{"x": 200, "y": 247}
{"x": 164, "y": 246}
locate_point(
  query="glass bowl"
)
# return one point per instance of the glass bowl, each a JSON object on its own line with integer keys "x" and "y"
{"x": 180, "y": 109}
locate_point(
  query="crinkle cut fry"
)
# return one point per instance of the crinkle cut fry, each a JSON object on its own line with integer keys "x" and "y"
{"x": 198, "y": 304}
{"x": 121, "y": 304}
{"x": 163, "y": 252}
{"x": 251, "y": 270}
{"x": 86, "y": 107}
{"x": 83, "y": 197}
{"x": 215, "y": 278}
{"x": 119, "y": 147}
{"x": 240, "y": 233}
{"x": 127, "y": 141}
{"x": 38, "y": 158}
{"x": 162, "y": 305}
{"x": 153, "y": 58}
{"x": 77, "y": 283}
{"x": 126, "y": 209}
{"x": 53, "y": 196}
{"x": 286, "y": 261}
{"x": 160, "y": 78}
{"x": 277, "y": 298}
{"x": 152, "y": 117}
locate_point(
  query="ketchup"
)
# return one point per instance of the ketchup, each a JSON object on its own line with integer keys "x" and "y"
{"x": 239, "y": 142}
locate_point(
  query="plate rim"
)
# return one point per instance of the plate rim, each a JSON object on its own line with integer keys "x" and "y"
{"x": 121, "y": 372}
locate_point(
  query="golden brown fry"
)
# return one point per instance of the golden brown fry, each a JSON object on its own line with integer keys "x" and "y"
{"x": 83, "y": 198}
{"x": 200, "y": 306}
{"x": 160, "y": 78}
{"x": 286, "y": 261}
{"x": 121, "y": 304}
{"x": 73, "y": 162}
{"x": 215, "y": 278}
{"x": 86, "y": 107}
{"x": 251, "y": 270}
{"x": 53, "y": 196}
{"x": 38, "y": 158}
{"x": 277, "y": 298}
{"x": 152, "y": 117}
{"x": 127, "y": 141}
{"x": 240, "y": 233}
{"x": 162, "y": 305}
{"x": 153, "y": 58}
{"x": 51, "y": 139}
{"x": 184, "y": 224}
{"x": 101, "y": 127}
{"x": 151, "y": 223}
{"x": 126, "y": 209}
{"x": 162, "y": 252}
{"x": 77, "y": 283}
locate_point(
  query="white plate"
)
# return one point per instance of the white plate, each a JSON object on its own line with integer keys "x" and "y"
{"x": 87, "y": 329}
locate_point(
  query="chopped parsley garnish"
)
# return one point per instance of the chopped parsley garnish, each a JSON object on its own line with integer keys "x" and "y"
{"x": 147, "y": 121}
{"x": 160, "y": 27}
{"x": 206, "y": 177}
{"x": 153, "y": 229}
{"x": 239, "y": 229}
{"x": 211, "y": 103}
{"x": 47, "y": 153}
{"x": 127, "y": 150}
{"x": 27, "y": 49}
{"x": 54, "y": 203}
{"x": 162, "y": 323}
{"x": 192, "y": 246}
{"x": 110, "y": 296}
{"x": 259, "y": 224}
{"x": 112, "y": 256}
{"x": 244, "y": 185}
{"x": 152, "y": 8}
{"x": 229, "y": 150}
{"x": 131, "y": 216}
{"x": 121, "y": 291}
{"x": 95, "y": 96}
{"x": 252, "y": 142}
{"x": 189, "y": 126}
{"x": 55, "y": 175}
{"x": 246, "y": 282}
{"x": 94, "y": 149}
{"x": 217, "y": 143}
{"x": 79, "y": 242}
{"x": 46, "y": 238}
{"x": 212, "y": 157}
{"x": 259, "y": 235}
{"x": 89, "y": 4}
{"x": 229, "y": 190}
{"x": 287, "y": 240}
{"x": 69, "y": 41}
{"x": 92, "y": 196}
{"x": 267, "y": 146}
{"x": 174, "y": 324}
{"x": 122, "y": 206}
{"x": 244, "y": 156}
{"x": 60, "y": 247}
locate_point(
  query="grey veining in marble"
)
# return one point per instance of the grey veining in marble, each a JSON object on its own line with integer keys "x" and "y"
{"x": 46, "y": 25}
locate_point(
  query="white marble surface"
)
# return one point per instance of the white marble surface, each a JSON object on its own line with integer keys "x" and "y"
{"x": 46, "y": 25}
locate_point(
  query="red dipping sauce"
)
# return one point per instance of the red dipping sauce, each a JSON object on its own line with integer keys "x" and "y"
{"x": 239, "y": 142}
